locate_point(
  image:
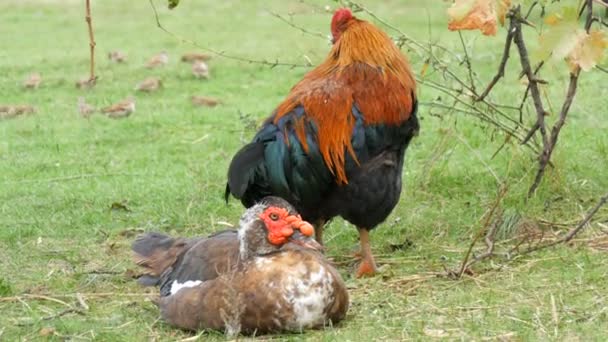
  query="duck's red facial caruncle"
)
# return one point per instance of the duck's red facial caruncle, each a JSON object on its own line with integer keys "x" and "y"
{"x": 281, "y": 225}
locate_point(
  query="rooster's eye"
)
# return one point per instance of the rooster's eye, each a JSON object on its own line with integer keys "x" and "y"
{"x": 274, "y": 216}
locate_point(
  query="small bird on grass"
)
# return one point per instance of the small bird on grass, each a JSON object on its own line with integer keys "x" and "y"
{"x": 158, "y": 61}
{"x": 194, "y": 56}
{"x": 205, "y": 101}
{"x": 121, "y": 109}
{"x": 150, "y": 84}
{"x": 117, "y": 57}
{"x": 85, "y": 109}
{"x": 200, "y": 69}
{"x": 33, "y": 81}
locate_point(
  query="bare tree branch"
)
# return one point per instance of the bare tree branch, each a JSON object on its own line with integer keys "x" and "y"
{"x": 549, "y": 143}
{"x": 92, "y": 77}
{"x": 503, "y": 62}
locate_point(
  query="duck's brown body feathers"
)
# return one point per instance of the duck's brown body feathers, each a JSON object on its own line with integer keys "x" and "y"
{"x": 205, "y": 284}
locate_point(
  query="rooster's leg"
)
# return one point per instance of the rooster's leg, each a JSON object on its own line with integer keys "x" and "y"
{"x": 319, "y": 230}
{"x": 367, "y": 267}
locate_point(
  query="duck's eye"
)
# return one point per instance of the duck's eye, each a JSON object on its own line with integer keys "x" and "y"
{"x": 273, "y": 216}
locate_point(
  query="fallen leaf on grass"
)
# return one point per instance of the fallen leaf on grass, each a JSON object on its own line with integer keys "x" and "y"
{"x": 599, "y": 244}
{"x": 401, "y": 246}
{"x": 117, "y": 57}
{"x": 435, "y": 332}
{"x": 86, "y": 83}
{"x": 195, "y": 56}
{"x": 12, "y": 111}
{"x": 120, "y": 206}
{"x": 173, "y": 4}
{"x": 205, "y": 101}
{"x": 47, "y": 331}
{"x": 130, "y": 232}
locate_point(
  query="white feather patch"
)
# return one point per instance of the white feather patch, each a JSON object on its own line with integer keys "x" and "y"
{"x": 309, "y": 294}
{"x": 176, "y": 286}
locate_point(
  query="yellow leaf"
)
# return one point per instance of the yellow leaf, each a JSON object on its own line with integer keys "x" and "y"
{"x": 589, "y": 51}
{"x": 473, "y": 15}
{"x": 425, "y": 67}
{"x": 552, "y": 19}
{"x": 503, "y": 8}
{"x": 460, "y": 9}
{"x": 562, "y": 35}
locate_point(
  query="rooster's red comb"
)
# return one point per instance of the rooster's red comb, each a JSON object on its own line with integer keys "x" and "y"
{"x": 341, "y": 15}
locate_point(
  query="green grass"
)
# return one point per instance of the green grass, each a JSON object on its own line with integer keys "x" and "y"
{"x": 60, "y": 174}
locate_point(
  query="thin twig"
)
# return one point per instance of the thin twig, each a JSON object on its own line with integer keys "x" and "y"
{"x": 545, "y": 157}
{"x": 222, "y": 53}
{"x": 467, "y": 62}
{"x": 503, "y": 63}
{"x": 57, "y": 315}
{"x": 572, "y": 233}
{"x": 82, "y": 302}
{"x": 530, "y": 9}
{"x": 92, "y": 77}
{"x": 488, "y": 167}
{"x": 70, "y": 295}
{"x": 466, "y": 262}
{"x": 34, "y": 296}
{"x": 297, "y": 27}
{"x": 358, "y": 7}
{"x": 532, "y": 80}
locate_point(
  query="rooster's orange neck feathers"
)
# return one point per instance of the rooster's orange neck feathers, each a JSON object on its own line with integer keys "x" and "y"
{"x": 364, "y": 67}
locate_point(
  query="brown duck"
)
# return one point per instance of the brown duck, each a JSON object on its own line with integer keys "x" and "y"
{"x": 269, "y": 276}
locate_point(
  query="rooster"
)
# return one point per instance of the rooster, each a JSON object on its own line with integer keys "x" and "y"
{"x": 335, "y": 146}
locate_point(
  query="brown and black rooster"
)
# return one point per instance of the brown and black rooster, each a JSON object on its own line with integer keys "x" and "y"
{"x": 335, "y": 146}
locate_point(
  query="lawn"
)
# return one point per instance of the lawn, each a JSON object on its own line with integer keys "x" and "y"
{"x": 74, "y": 192}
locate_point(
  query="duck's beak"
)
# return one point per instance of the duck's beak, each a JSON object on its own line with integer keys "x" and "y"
{"x": 305, "y": 241}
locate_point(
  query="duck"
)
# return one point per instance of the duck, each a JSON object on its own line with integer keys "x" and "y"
{"x": 268, "y": 276}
